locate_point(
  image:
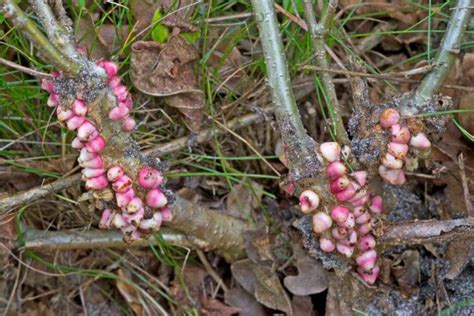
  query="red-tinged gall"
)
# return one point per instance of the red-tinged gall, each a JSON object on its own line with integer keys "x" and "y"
{"x": 345, "y": 249}
{"x": 364, "y": 218}
{"x": 156, "y": 199}
{"x": 74, "y": 122}
{"x": 399, "y": 151}
{"x": 87, "y": 132}
{"x": 135, "y": 205}
{"x": 118, "y": 113}
{"x": 94, "y": 163}
{"x": 309, "y": 201}
{"x": 97, "y": 183}
{"x": 326, "y": 244}
{"x": 367, "y": 260}
{"x": 340, "y": 213}
{"x": 63, "y": 115}
{"x": 53, "y": 100}
{"x": 77, "y": 143}
{"x": 122, "y": 184}
{"x": 347, "y": 194}
{"x": 114, "y": 173}
{"x": 95, "y": 145}
{"x": 166, "y": 214}
{"x": 391, "y": 162}
{"x": 335, "y": 170}
{"x": 149, "y": 178}
{"x": 367, "y": 242}
{"x": 389, "y": 117}
{"x": 124, "y": 198}
{"x": 128, "y": 124}
{"x": 91, "y": 173}
{"x": 117, "y": 221}
{"x": 400, "y": 134}
{"x": 392, "y": 176}
{"x": 340, "y": 184}
{"x": 360, "y": 177}
{"x": 79, "y": 107}
{"x": 106, "y": 219}
{"x": 369, "y": 277}
{"x": 85, "y": 155}
{"x": 376, "y": 205}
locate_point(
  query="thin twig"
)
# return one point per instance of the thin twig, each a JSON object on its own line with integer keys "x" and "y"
{"x": 465, "y": 186}
{"x": 318, "y": 34}
{"x": 448, "y": 52}
{"x": 210, "y": 270}
{"x": 26, "y": 70}
{"x": 299, "y": 147}
{"x": 426, "y": 231}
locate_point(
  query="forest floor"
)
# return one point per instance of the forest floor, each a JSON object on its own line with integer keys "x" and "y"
{"x": 236, "y": 172}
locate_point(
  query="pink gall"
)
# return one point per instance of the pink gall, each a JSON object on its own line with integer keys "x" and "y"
{"x": 53, "y": 100}
{"x": 149, "y": 178}
{"x": 392, "y": 176}
{"x": 135, "y": 218}
{"x": 79, "y": 107}
{"x": 74, "y": 122}
{"x": 364, "y": 218}
{"x": 95, "y": 145}
{"x": 122, "y": 184}
{"x": 389, "y": 117}
{"x": 347, "y": 194}
{"x": 335, "y": 170}
{"x": 326, "y": 244}
{"x": 94, "y": 163}
{"x": 128, "y": 124}
{"x": 340, "y": 184}
{"x": 91, "y": 173}
{"x": 47, "y": 85}
{"x": 85, "y": 155}
{"x": 118, "y": 113}
{"x": 321, "y": 222}
{"x": 369, "y": 277}
{"x": 97, "y": 183}
{"x": 124, "y": 198}
{"x": 114, "y": 173}
{"x": 309, "y": 201}
{"x": 135, "y": 205}
{"x": 87, "y": 131}
{"x": 400, "y": 134}
{"x": 345, "y": 249}
{"x": 106, "y": 219}
{"x": 340, "y": 213}
{"x": 63, "y": 115}
{"x": 367, "y": 260}
{"x": 391, "y": 162}
{"x": 399, "y": 151}
{"x": 110, "y": 67}
{"x": 166, "y": 214}
{"x": 360, "y": 177}
{"x": 118, "y": 221}
{"x": 77, "y": 143}
{"x": 156, "y": 199}
{"x": 376, "y": 205}
{"x": 420, "y": 141}
{"x": 331, "y": 151}
{"x": 367, "y": 242}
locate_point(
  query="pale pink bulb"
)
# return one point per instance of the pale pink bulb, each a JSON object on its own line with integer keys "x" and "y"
{"x": 326, "y": 244}
{"x": 340, "y": 213}
{"x": 158, "y": 216}
{"x": 340, "y": 184}
{"x": 391, "y": 162}
{"x": 135, "y": 218}
{"x": 128, "y": 124}
{"x": 364, "y": 218}
{"x": 376, "y": 205}
{"x": 400, "y": 134}
{"x": 135, "y": 204}
{"x": 74, "y": 122}
{"x": 124, "y": 198}
{"x": 122, "y": 184}
{"x": 110, "y": 68}
{"x": 114, "y": 173}
{"x": 87, "y": 131}
{"x": 63, "y": 115}
{"x": 97, "y": 183}
{"x": 148, "y": 224}
{"x": 119, "y": 112}
{"x": 420, "y": 141}
{"x": 392, "y": 176}
{"x": 347, "y": 194}
{"x": 369, "y": 277}
{"x": 331, "y": 151}
{"x": 106, "y": 219}
{"x": 47, "y": 85}
{"x": 345, "y": 249}
{"x": 77, "y": 143}
{"x": 120, "y": 92}
{"x": 128, "y": 103}
{"x": 114, "y": 81}
{"x": 91, "y": 173}
{"x": 156, "y": 199}
{"x": 53, "y": 100}
{"x": 149, "y": 178}
{"x": 95, "y": 163}
{"x": 358, "y": 211}
{"x": 389, "y": 117}
{"x": 360, "y": 194}
{"x": 321, "y": 222}
{"x": 352, "y": 237}
{"x": 367, "y": 260}
{"x": 360, "y": 177}
{"x": 361, "y": 201}
{"x": 340, "y": 233}
{"x": 95, "y": 145}
{"x": 166, "y": 214}
{"x": 85, "y": 155}
{"x": 367, "y": 242}
{"x": 79, "y": 107}
{"x": 399, "y": 151}
{"x": 309, "y": 201}
{"x": 349, "y": 222}
{"x": 117, "y": 221}
{"x": 335, "y": 170}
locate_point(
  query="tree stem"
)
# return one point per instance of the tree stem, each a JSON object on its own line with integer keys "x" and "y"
{"x": 299, "y": 147}
{"x": 318, "y": 34}
{"x": 448, "y": 52}
{"x": 39, "y": 40}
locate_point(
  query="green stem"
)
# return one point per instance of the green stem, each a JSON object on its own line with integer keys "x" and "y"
{"x": 448, "y": 52}
{"x": 299, "y": 148}
{"x": 38, "y": 39}
{"x": 318, "y": 34}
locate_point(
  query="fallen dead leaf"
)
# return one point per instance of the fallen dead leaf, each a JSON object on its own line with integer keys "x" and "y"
{"x": 129, "y": 293}
{"x": 246, "y": 303}
{"x": 166, "y": 70}
{"x": 212, "y": 306}
{"x": 311, "y": 278}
